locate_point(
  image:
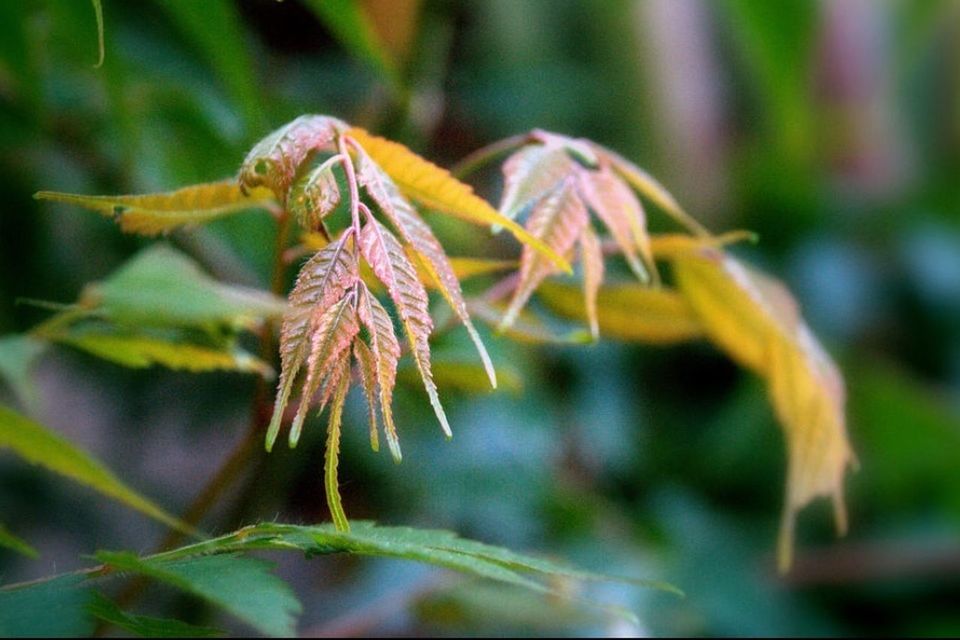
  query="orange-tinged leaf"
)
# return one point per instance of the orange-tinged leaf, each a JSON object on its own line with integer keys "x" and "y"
{"x": 367, "y": 365}
{"x": 386, "y": 353}
{"x": 629, "y": 311}
{"x": 435, "y": 188}
{"x": 530, "y": 173}
{"x": 386, "y": 256}
{"x": 428, "y": 253}
{"x": 275, "y": 160}
{"x": 558, "y": 219}
{"x": 591, "y": 255}
{"x": 155, "y": 213}
{"x": 622, "y": 214}
{"x": 755, "y": 319}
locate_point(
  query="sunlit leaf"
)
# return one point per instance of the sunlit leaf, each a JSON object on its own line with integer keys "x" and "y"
{"x": 38, "y": 445}
{"x": 245, "y": 587}
{"x": 12, "y": 542}
{"x": 435, "y": 188}
{"x": 629, "y": 312}
{"x": 161, "y": 212}
{"x": 755, "y": 319}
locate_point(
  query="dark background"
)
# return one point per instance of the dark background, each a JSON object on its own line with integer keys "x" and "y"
{"x": 830, "y": 128}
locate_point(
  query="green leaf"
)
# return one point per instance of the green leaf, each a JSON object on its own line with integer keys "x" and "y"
{"x": 53, "y": 608}
{"x": 17, "y": 356}
{"x": 352, "y": 27}
{"x": 14, "y": 543}
{"x": 146, "y": 626}
{"x": 245, "y": 587}
{"x": 154, "y": 213}
{"x": 98, "y": 12}
{"x": 162, "y": 287}
{"x": 38, "y": 445}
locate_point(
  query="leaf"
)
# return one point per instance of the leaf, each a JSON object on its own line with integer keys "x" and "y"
{"x": 141, "y": 351}
{"x": 755, "y": 319}
{"x": 558, "y": 219}
{"x": 429, "y": 254}
{"x": 38, "y": 445}
{"x": 530, "y": 173}
{"x": 315, "y": 196}
{"x": 156, "y": 213}
{"x": 275, "y": 160}
{"x": 53, "y": 608}
{"x": 349, "y": 23}
{"x": 12, "y": 542}
{"x": 145, "y": 626}
{"x": 367, "y": 365}
{"x": 622, "y": 214}
{"x": 18, "y": 353}
{"x": 591, "y": 255}
{"x": 435, "y": 188}
{"x": 527, "y": 327}
{"x": 162, "y": 287}
{"x": 245, "y": 587}
{"x": 465, "y": 268}
{"x": 323, "y": 280}
{"x": 332, "y": 456}
{"x": 385, "y": 255}
{"x": 386, "y": 353}
{"x": 468, "y": 377}
{"x": 631, "y": 312}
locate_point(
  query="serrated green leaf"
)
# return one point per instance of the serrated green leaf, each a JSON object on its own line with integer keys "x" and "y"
{"x": 12, "y": 542}
{"x": 146, "y": 626}
{"x": 38, "y": 445}
{"x": 54, "y": 608}
{"x": 246, "y": 587}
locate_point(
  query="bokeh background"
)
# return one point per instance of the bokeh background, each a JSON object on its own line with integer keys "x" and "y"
{"x": 830, "y": 128}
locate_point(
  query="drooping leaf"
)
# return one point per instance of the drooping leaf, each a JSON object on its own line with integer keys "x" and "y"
{"x": 38, "y": 445}
{"x": 429, "y": 254}
{"x": 591, "y": 255}
{"x": 332, "y": 455}
{"x": 141, "y": 350}
{"x": 245, "y": 587}
{"x": 435, "y": 188}
{"x": 386, "y": 353}
{"x": 467, "y": 377}
{"x": 162, "y": 287}
{"x": 527, "y": 327}
{"x": 54, "y": 608}
{"x": 323, "y": 280}
{"x": 18, "y": 353}
{"x": 622, "y": 214}
{"x": 558, "y": 219}
{"x": 107, "y": 610}
{"x": 629, "y": 312}
{"x": 754, "y": 319}
{"x": 530, "y": 173}
{"x": 157, "y": 213}
{"x": 12, "y": 542}
{"x": 388, "y": 260}
{"x": 367, "y": 366}
{"x": 275, "y": 160}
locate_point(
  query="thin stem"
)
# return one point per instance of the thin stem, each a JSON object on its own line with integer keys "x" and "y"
{"x": 347, "y": 162}
{"x": 483, "y": 156}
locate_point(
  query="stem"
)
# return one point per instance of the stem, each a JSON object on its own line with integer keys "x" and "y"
{"x": 483, "y": 156}
{"x": 347, "y": 162}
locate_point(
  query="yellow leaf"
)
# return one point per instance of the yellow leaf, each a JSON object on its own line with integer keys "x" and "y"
{"x": 156, "y": 213}
{"x": 629, "y": 312}
{"x": 435, "y": 188}
{"x": 756, "y": 320}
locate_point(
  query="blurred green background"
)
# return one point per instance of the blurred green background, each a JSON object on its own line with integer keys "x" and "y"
{"x": 831, "y": 128}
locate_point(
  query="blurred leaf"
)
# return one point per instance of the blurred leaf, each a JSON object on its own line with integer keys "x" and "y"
{"x": 435, "y": 188}
{"x": 12, "y": 542}
{"x": 146, "y": 626}
{"x": 629, "y": 311}
{"x": 350, "y": 24}
{"x": 468, "y": 377}
{"x": 160, "y": 286}
{"x": 38, "y": 445}
{"x": 156, "y": 213}
{"x": 54, "y": 608}
{"x": 98, "y": 11}
{"x": 527, "y": 327}
{"x": 140, "y": 351}
{"x": 246, "y": 587}
{"x": 216, "y": 30}
{"x": 17, "y": 356}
